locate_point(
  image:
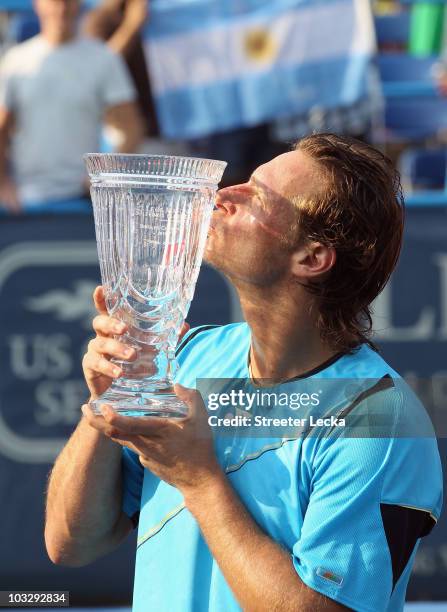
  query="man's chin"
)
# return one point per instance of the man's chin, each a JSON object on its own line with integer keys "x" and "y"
{"x": 208, "y": 256}
{"x": 212, "y": 259}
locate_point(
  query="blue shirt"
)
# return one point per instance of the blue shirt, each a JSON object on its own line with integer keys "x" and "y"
{"x": 350, "y": 510}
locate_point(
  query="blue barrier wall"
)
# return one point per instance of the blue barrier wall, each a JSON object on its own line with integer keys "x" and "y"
{"x": 48, "y": 270}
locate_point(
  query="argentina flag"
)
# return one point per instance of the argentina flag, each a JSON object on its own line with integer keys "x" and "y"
{"x": 216, "y": 65}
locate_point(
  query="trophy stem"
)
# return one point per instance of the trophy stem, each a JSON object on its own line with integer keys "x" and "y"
{"x": 140, "y": 404}
{"x": 146, "y": 386}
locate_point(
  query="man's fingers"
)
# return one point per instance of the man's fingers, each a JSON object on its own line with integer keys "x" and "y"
{"x": 98, "y": 422}
{"x": 197, "y": 418}
{"x": 103, "y": 424}
{"x": 100, "y": 300}
{"x": 90, "y": 415}
{"x": 112, "y": 348}
{"x": 192, "y": 398}
{"x": 141, "y": 445}
{"x": 108, "y": 326}
{"x": 98, "y": 364}
{"x": 185, "y": 328}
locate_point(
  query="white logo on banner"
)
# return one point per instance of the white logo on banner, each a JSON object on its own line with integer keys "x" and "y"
{"x": 47, "y": 359}
{"x": 425, "y": 328}
{"x": 67, "y": 305}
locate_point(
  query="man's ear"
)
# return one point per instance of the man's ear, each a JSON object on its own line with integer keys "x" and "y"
{"x": 312, "y": 260}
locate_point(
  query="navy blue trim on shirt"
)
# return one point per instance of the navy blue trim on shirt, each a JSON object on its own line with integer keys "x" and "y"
{"x": 319, "y": 368}
{"x": 383, "y": 384}
{"x": 311, "y": 372}
{"x": 403, "y": 527}
{"x": 192, "y": 335}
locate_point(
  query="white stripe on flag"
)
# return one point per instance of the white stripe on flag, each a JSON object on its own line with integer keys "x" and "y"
{"x": 313, "y": 33}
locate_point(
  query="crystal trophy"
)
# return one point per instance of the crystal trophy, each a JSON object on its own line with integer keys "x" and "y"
{"x": 152, "y": 214}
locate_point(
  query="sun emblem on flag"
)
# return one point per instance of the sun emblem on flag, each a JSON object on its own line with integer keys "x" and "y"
{"x": 259, "y": 45}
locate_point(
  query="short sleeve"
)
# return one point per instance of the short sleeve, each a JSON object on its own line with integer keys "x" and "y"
{"x": 118, "y": 87}
{"x": 133, "y": 473}
{"x": 360, "y": 532}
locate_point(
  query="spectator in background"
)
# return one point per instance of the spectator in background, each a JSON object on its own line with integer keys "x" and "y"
{"x": 56, "y": 90}
{"x": 119, "y": 23}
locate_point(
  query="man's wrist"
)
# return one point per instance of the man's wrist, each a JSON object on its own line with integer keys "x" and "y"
{"x": 206, "y": 491}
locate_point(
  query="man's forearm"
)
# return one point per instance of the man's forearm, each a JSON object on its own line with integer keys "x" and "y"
{"x": 124, "y": 37}
{"x": 118, "y": 29}
{"x": 259, "y": 572}
{"x": 126, "y": 125}
{"x": 131, "y": 138}
{"x": 83, "y": 513}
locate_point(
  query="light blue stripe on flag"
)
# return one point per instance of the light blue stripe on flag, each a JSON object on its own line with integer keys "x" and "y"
{"x": 216, "y": 66}
{"x": 200, "y": 14}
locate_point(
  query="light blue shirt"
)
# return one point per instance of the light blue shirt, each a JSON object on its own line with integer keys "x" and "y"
{"x": 350, "y": 510}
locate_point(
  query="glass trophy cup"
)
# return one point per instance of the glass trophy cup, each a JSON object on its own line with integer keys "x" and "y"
{"x": 152, "y": 214}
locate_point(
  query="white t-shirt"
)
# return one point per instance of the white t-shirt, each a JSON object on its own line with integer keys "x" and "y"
{"x": 58, "y": 96}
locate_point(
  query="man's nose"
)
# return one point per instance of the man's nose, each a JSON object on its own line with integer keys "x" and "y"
{"x": 242, "y": 189}
{"x": 224, "y": 203}
{"x": 230, "y": 197}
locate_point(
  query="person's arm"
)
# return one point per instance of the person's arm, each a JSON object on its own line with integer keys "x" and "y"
{"x": 117, "y": 23}
{"x": 180, "y": 451}
{"x": 84, "y": 517}
{"x": 8, "y": 191}
{"x": 87, "y": 515}
{"x": 126, "y": 122}
{"x": 259, "y": 572}
{"x": 84, "y": 520}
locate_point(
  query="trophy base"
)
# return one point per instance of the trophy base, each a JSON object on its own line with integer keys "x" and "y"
{"x": 139, "y": 404}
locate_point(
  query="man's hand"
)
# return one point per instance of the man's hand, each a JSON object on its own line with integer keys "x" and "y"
{"x": 179, "y": 451}
{"x": 8, "y": 196}
{"x": 99, "y": 370}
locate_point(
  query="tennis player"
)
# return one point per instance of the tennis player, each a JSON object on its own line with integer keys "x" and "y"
{"x": 312, "y": 522}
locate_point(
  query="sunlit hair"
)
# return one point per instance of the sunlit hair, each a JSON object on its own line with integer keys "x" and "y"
{"x": 359, "y": 211}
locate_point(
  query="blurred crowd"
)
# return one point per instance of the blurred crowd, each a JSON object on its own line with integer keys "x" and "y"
{"x": 81, "y": 84}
